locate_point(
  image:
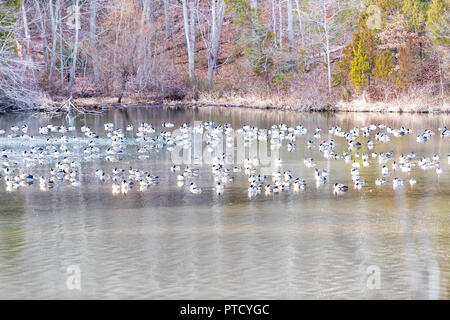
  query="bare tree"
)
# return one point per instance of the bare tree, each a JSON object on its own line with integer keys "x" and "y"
{"x": 41, "y": 25}
{"x": 328, "y": 30}
{"x": 167, "y": 17}
{"x": 290, "y": 28}
{"x": 217, "y": 15}
{"x": 77, "y": 26}
{"x": 93, "y": 5}
{"x": 54, "y": 28}
{"x": 327, "y": 43}
{"x": 273, "y": 17}
{"x": 26, "y": 30}
{"x": 61, "y": 58}
{"x": 144, "y": 72}
{"x": 189, "y": 31}
{"x": 280, "y": 11}
{"x": 300, "y": 26}
{"x": 18, "y": 89}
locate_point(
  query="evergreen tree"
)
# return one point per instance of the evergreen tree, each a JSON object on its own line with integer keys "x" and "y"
{"x": 438, "y": 22}
{"x": 343, "y": 66}
{"x": 414, "y": 12}
{"x": 255, "y": 39}
{"x": 384, "y": 65}
{"x": 358, "y": 69}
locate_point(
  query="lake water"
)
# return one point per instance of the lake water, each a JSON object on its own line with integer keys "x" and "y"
{"x": 167, "y": 243}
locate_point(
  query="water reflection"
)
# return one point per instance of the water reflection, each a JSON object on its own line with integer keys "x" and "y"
{"x": 165, "y": 243}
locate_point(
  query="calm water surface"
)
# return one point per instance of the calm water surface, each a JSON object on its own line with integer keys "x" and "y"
{"x": 168, "y": 243}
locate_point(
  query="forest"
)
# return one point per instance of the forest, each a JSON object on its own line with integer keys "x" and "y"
{"x": 307, "y": 55}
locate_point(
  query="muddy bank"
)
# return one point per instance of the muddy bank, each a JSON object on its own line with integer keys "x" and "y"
{"x": 97, "y": 104}
{"x": 416, "y": 104}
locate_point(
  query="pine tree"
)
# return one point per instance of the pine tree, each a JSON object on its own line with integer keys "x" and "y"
{"x": 8, "y": 17}
{"x": 365, "y": 37}
{"x": 257, "y": 42}
{"x": 343, "y": 66}
{"x": 437, "y": 23}
{"x": 358, "y": 69}
{"x": 414, "y": 12}
{"x": 384, "y": 65}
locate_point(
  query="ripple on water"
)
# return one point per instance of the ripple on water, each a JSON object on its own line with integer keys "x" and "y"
{"x": 168, "y": 243}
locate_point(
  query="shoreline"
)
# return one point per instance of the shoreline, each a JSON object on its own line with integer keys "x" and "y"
{"x": 356, "y": 106}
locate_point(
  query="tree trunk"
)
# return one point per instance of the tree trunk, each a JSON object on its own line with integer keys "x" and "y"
{"x": 93, "y": 39}
{"x": 75, "y": 46}
{"x": 43, "y": 33}
{"x": 274, "y": 18}
{"x": 189, "y": 31}
{"x": 119, "y": 27}
{"x": 440, "y": 80}
{"x": 193, "y": 5}
{"x": 167, "y": 19}
{"x": 26, "y": 31}
{"x": 300, "y": 26}
{"x": 280, "y": 11}
{"x": 145, "y": 46}
{"x": 217, "y": 14}
{"x": 54, "y": 37}
{"x": 61, "y": 60}
{"x": 290, "y": 26}
{"x": 123, "y": 86}
{"x": 327, "y": 45}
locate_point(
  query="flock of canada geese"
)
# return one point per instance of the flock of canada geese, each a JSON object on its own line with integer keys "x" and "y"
{"x": 59, "y": 151}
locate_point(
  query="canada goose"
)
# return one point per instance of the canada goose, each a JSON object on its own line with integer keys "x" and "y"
{"x": 194, "y": 189}
{"x": 397, "y": 182}
{"x": 380, "y": 181}
{"x": 339, "y": 187}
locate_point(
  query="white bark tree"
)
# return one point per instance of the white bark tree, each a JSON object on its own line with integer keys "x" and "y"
{"x": 300, "y": 24}
{"x": 93, "y": 7}
{"x": 25, "y": 30}
{"x": 61, "y": 56}
{"x": 273, "y": 17}
{"x": 167, "y": 17}
{"x": 217, "y": 16}
{"x": 77, "y": 27}
{"x": 41, "y": 25}
{"x": 327, "y": 43}
{"x": 189, "y": 31}
{"x": 145, "y": 46}
{"x": 329, "y": 30}
{"x": 280, "y": 11}
{"x": 290, "y": 27}
{"x": 54, "y": 27}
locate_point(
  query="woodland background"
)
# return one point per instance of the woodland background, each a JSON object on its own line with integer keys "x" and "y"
{"x": 296, "y": 54}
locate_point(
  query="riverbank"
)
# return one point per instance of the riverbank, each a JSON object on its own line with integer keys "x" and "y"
{"x": 97, "y": 104}
{"x": 402, "y": 105}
